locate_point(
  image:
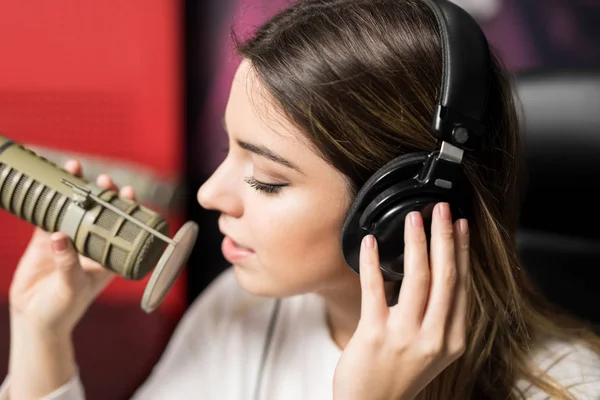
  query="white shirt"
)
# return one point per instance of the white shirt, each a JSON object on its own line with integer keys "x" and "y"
{"x": 216, "y": 351}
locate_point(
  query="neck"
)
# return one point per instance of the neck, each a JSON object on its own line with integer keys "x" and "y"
{"x": 342, "y": 304}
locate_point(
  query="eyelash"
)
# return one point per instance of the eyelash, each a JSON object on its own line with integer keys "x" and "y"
{"x": 267, "y": 188}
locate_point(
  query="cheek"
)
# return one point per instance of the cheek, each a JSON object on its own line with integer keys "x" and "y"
{"x": 293, "y": 231}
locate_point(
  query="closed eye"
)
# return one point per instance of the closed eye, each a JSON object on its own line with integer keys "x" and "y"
{"x": 268, "y": 188}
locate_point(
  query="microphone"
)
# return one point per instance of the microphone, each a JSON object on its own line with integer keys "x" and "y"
{"x": 118, "y": 233}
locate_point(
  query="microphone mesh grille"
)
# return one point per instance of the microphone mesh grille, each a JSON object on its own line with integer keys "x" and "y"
{"x": 115, "y": 257}
{"x": 151, "y": 251}
{"x": 94, "y": 246}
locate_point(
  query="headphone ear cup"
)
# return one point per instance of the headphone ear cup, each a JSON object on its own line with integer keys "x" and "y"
{"x": 399, "y": 170}
{"x": 389, "y": 227}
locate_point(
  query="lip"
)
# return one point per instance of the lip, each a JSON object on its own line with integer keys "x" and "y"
{"x": 232, "y": 252}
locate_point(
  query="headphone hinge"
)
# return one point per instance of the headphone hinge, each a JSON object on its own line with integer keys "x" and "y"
{"x": 442, "y": 167}
{"x": 459, "y": 130}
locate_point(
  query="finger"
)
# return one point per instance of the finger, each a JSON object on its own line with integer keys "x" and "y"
{"x": 458, "y": 322}
{"x": 127, "y": 192}
{"x": 414, "y": 291}
{"x": 373, "y": 304}
{"x": 89, "y": 265}
{"x": 443, "y": 270}
{"x": 101, "y": 278}
{"x": 106, "y": 182}
{"x": 96, "y": 272}
{"x": 66, "y": 259}
{"x": 73, "y": 167}
{"x": 39, "y": 235}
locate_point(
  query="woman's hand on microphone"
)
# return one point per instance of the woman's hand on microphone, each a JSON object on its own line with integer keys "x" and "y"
{"x": 397, "y": 351}
{"x": 52, "y": 288}
{"x": 54, "y": 285}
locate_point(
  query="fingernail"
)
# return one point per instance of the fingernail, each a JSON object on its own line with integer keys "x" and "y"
{"x": 59, "y": 245}
{"x": 463, "y": 225}
{"x": 443, "y": 210}
{"x": 415, "y": 219}
{"x": 369, "y": 241}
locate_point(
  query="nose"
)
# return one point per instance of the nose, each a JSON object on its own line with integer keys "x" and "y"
{"x": 221, "y": 192}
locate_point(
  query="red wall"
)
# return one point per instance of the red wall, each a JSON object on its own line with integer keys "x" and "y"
{"x": 101, "y": 78}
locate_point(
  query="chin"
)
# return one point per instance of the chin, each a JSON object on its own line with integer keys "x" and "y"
{"x": 258, "y": 284}
{"x": 252, "y": 282}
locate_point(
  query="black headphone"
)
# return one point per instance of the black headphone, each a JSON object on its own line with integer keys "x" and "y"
{"x": 417, "y": 181}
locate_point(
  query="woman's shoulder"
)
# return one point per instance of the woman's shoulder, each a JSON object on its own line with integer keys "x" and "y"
{"x": 572, "y": 364}
{"x": 213, "y": 337}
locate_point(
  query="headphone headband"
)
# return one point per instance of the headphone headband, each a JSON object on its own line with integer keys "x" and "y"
{"x": 458, "y": 116}
{"x": 417, "y": 181}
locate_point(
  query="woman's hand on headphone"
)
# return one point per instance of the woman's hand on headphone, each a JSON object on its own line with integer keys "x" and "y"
{"x": 397, "y": 351}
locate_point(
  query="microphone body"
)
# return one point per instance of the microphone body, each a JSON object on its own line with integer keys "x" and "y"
{"x": 118, "y": 233}
{"x": 34, "y": 189}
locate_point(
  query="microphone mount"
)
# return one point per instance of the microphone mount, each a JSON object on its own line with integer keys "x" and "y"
{"x": 83, "y": 197}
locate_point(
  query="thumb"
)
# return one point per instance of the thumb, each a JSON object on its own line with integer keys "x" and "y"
{"x": 66, "y": 259}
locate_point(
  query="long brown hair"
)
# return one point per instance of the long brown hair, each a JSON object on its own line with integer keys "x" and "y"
{"x": 360, "y": 78}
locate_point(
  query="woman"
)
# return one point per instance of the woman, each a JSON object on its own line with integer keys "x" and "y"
{"x": 329, "y": 91}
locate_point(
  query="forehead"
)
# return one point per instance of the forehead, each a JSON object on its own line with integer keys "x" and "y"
{"x": 252, "y": 116}
{"x": 251, "y": 111}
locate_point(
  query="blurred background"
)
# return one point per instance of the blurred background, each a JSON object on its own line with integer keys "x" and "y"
{"x": 138, "y": 89}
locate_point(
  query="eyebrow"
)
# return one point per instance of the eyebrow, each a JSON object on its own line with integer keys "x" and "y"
{"x": 264, "y": 152}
